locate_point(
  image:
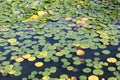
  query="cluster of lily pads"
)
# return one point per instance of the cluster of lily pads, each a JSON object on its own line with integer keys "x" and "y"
{"x": 71, "y": 36}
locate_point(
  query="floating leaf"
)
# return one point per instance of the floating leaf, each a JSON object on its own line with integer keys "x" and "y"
{"x": 41, "y": 13}
{"x": 111, "y": 60}
{"x": 97, "y": 66}
{"x": 34, "y": 17}
{"x": 59, "y": 54}
{"x": 43, "y": 54}
{"x": 111, "y": 68}
{"x": 12, "y": 72}
{"x": 39, "y": 64}
{"x": 112, "y": 78}
{"x": 69, "y": 68}
{"x": 93, "y": 77}
{"x": 26, "y": 56}
{"x": 73, "y": 78}
{"x": 98, "y": 72}
{"x": 118, "y": 55}
{"x": 68, "y": 18}
{"x": 63, "y": 76}
{"x": 106, "y": 52}
{"x": 105, "y": 0}
{"x": 80, "y": 52}
{"x": 31, "y": 58}
{"x": 82, "y": 21}
{"x": 86, "y": 70}
{"x": 83, "y": 77}
{"x": 45, "y": 78}
{"x": 19, "y": 59}
{"x": 12, "y": 40}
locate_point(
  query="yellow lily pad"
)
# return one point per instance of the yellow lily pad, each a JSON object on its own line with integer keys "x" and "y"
{"x": 59, "y": 54}
{"x": 41, "y": 13}
{"x": 34, "y": 17}
{"x": 93, "y": 77}
{"x": 12, "y": 40}
{"x": 82, "y": 21}
{"x": 43, "y": 53}
{"x": 19, "y": 59}
{"x": 12, "y": 72}
{"x": 76, "y": 45}
{"x": 31, "y": 58}
{"x": 26, "y": 56}
{"x": 39, "y": 64}
{"x": 80, "y": 52}
{"x": 45, "y": 78}
{"x": 111, "y": 60}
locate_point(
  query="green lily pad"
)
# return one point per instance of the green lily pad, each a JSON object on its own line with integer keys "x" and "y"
{"x": 98, "y": 72}
{"x": 86, "y": 70}
{"x": 111, "y": 68}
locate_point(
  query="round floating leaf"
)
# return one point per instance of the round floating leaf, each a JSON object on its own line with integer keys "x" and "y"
{"x": 112, "y": 78}
{"x": 98, "y": 72}
{"x": 47, "y": 60}
{"x": 59, "y": 54}
{"x": 86, "y": 70}
{"x": 70, "y": 68}
{"x": 46, "y": 73}
{"x": 118, "y": 49}
{"x": 31, "y": 58}
{"x": 76, "y": 62}
{"x": 12, "y": 72}
{"x": 45, "y": 78}
{"x": 68, "y": 55}
{"x": 105, "y": 64}
{"x": 75, "y": 58}
{"x": 53, "y": 69}
{"x": 12, "y": 40}
{"x": 63, "y": 76}
{"x": 111, "y": 60}
{"x": 43, "y": 54}
{"x": 116, "y": 72}
{"x": 83, "y": 77}
{"x": 118, "y": 77}
{"x": 24, "y": 79}
{"x": 4, "y": 29}
{"x": 80, "y": 52}
{"x": 97, "y": 53}
{"x": 39, "y": 64}
{"x": 73, "y": 78}
{"x": 118, "y": 67}
{"x": 17, "y": 73}
{"x": 5, "y": 63}
{"x": 26, "y": 56}
{"x": 89, "y": 64}
{"x": 19, "y": 59}
{"x": 93, "y": 77}
{"x": 111, "y": 68}
{"x": 118, "y": 63}
{"x": 106, "y": 52}
{"x": 88, "y": 60}
{"x": 118, "y": 55}
{"x": 97, "y": 66}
